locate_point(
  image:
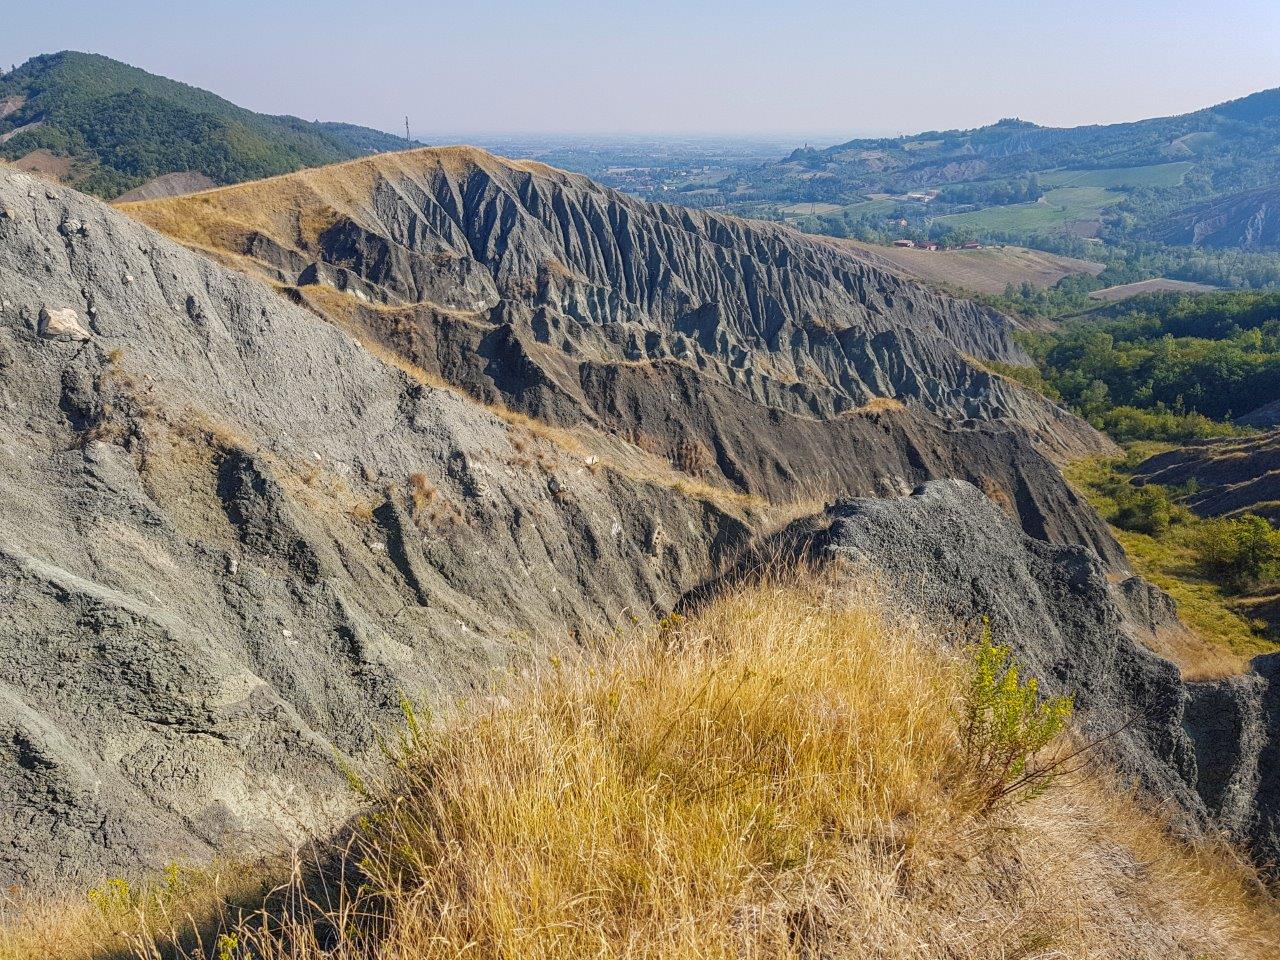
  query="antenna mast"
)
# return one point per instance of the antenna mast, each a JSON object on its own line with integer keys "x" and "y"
{"x": 406, "y": 130}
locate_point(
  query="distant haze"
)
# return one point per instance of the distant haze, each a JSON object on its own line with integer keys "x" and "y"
{"x": 813, "y": 70}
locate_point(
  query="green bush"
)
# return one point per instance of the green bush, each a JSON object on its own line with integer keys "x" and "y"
{"x": 1146, "y": 509}
{"x": 1027, "y": 376}
{"x": 1239, "y": 552}
{"x": 1007, "y": 724}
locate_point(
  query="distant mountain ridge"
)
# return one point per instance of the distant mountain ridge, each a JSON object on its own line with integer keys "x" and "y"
{"x": 121, "y": 127}
{"x": 1016, "y": 179}
{"x": 1019, "y": 146}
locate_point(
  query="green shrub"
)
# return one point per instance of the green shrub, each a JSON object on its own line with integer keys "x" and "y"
{"x": 1006, "y": 726}
{"x": 1027, "y": 376}
{"x": 1238, "y": 552}
{"x": 1146, "y": 509}
{"x": 1126, "y": 424}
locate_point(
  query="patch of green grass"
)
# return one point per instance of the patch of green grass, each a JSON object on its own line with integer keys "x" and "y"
{"x": 1055, "y": 210}
{"x": 1169, "y": 562}
{"x": 1152, "y": 175}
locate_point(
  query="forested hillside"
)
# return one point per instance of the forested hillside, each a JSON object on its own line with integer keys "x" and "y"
{"x": 1164, "y": 366}
{"x": 1190, "y": 179}
{"x": 114, "y": 127}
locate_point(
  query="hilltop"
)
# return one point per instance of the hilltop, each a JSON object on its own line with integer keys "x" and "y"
{"x": 107, "y": 128}
{"x": 449, "y": 255}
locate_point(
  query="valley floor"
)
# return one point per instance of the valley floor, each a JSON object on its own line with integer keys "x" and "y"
{"x": 791, "y": 771}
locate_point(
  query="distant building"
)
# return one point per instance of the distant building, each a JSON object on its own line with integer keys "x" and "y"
{"x": 926, "y": 245}
{"x": 972, "y": 245}
{"x": 904, "y": 243}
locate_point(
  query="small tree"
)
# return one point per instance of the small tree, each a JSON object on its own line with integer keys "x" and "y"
{"x": 1146, "y": 509}
{"x": 1007, "y": 724}
{"x": 1239, "y": 552}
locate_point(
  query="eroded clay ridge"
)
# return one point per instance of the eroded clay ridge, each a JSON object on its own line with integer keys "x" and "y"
{"x": 573, "y": 293}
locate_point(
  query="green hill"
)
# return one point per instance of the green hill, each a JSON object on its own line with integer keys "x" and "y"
{"x": 120, "y": 127}
{"x": 1014, "y": 180}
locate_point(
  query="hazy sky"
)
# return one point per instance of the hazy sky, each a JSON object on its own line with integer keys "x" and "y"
{"x": 808, "y": 68}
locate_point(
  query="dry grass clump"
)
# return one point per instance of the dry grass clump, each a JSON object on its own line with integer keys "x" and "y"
{"x": 174, "y": 914}
{"x": 428, "y": 508}
{"x": 877, "y": 405}
{"x": 787, "y": 774}
{"x": 694, "y": 457}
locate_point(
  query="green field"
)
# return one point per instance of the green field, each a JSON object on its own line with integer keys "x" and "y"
{"x": 1075, "y": 197}
{"x": 870, "y": 207}
{"x": 862, "y": 208}
{"x": 1074, "y": 200}
{"x": 1153, "y": 175}
{"x": 1054, "y": 211}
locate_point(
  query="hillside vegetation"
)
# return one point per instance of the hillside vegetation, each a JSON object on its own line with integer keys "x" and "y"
{"x": 121, "y": 126}
{"x": 1163, "y": 366}
{"x": 1165, "y": 369}
{"x": 793, "y": 772}
{"x": 1221, "y": 571}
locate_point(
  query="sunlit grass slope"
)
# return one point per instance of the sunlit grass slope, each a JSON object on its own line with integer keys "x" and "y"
{"x": 792, "y": 772}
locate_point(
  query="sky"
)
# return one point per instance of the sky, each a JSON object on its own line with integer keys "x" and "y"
{"x": 806, "y": 69}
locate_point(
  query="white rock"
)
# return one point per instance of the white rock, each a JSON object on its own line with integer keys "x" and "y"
{"x": 62, "y": 325}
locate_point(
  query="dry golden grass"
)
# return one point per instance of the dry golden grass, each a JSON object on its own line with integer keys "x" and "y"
{"x": 782, "y": 775}
{"x": 118, "y": 920}
{"x": 294, "y": 209}
{"x": 988, "y": 270}
{"x": 876, "y": 405}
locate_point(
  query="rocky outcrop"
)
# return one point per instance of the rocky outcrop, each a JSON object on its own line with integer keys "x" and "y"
{"x": 231, "y": 539}
{"x": 61, "y": 324}
{"x": 1206, "y": 751}
{"x": 1265, "y": 417}
{"x": 1249, "y": 220}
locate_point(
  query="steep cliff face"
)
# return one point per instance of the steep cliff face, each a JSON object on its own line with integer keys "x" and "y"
{"x": 234, "y": 531}
{"x": 570, "y": 283}
{"x": 1249, "y": 219}
{"x": 231, "y": 539}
